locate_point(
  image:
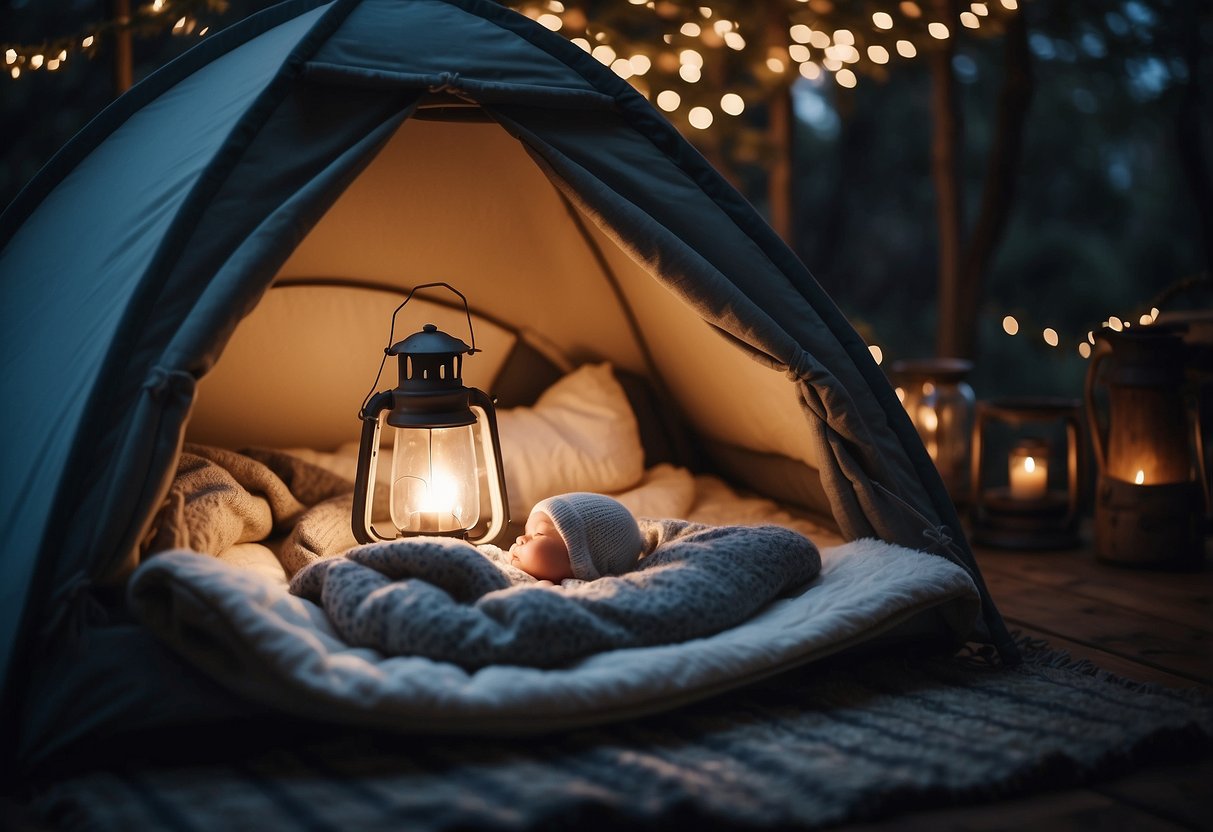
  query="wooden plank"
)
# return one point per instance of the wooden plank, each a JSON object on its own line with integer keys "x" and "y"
{"x": 1124, "y": 667}
{"x": 1182, "y": 597}
{"x": 1179, "y": 648}
{"x": 1071, "y": 810}
{"x": 1180, "y": 793}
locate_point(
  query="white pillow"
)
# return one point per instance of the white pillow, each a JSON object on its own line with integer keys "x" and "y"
{"x": 581, "y": 435}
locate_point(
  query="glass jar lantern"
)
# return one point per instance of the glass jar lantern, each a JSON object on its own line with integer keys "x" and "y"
{"x": 1026, "y": 473}
{"x": 940, "y": 404}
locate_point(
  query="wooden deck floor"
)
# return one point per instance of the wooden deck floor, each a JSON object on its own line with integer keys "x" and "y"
{"x": 1142, "y": 625}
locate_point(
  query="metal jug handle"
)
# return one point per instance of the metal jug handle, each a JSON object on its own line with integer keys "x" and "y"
{"x": 1201, "y": 468}
{"x": 1101, "y": 351}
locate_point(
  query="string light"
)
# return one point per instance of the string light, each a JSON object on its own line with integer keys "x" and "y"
{"x": 810, "y": 70}
{"x": 1050, "y": 336}
{"x": 837, "y": 49}
{"x": 1009, "y": 325}
{"x": 877, "y": 353}
{"x": 1084, "y": 349}
{"x": 178, "y": 17}
{"x": 668, "y": 100}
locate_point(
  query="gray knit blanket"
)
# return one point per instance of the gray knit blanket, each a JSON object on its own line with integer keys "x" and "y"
{"x": 447, "y": 600}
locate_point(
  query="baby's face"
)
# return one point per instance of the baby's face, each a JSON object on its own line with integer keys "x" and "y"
{"x": 541, "y": 552}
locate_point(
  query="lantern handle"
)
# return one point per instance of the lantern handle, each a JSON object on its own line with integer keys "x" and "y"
{"x": 391, "y": 336}
{"x": 392, "y": 332}
{"x": 1102, "y": 350}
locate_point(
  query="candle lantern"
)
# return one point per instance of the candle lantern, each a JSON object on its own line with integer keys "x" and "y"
{"x": 1152, "y": 487}
{"x": 446, "y": 454}
{"x": 1026, "y": 473}
{"x": 940, "y": 404}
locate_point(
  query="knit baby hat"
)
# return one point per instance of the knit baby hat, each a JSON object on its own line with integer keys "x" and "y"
{"x": 601, "y": 535}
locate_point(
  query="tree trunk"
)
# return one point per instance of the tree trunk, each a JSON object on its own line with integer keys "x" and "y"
{"x": 123, "y": 60}
{"x": 998, "y": 189}
{"x": 780, "y": 138}
{"x": 779, "y": 173}
{"x": 1190, "y": 132}
{"x": 945, "y": 173}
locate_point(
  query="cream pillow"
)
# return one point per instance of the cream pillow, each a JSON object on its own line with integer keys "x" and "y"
{"x": 665, "y": 491}
{"x": 581, "y": 435}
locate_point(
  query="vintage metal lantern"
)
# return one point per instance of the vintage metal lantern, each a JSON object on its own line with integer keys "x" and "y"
{"x": 446, "y": 454}
{"x": 940, "y": 403}
{"x": 1027, "y": 470}
{"x": 1152, "y": 487}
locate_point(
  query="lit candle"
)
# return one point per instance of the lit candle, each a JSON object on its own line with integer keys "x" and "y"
{"x": 429, "y": 521}
{"x": 928, "y": 424}
{"x": 1141, "y": 477}
{"x": 1029, "y": 470}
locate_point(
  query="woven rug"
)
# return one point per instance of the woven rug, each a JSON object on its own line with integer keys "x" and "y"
{"x": 839, "y": 741}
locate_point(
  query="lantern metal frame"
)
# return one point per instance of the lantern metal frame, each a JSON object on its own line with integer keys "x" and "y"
{"x": 430, "y": 394}
{"x": 1051, "y": 521}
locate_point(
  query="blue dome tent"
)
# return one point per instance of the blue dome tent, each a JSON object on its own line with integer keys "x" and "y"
{"x": 380, "y": 144}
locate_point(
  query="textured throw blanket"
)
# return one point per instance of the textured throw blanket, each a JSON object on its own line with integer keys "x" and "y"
{"x": 221, "y": 498}
{"x": 449, "y": 601}
{"x": 446, "y": 600}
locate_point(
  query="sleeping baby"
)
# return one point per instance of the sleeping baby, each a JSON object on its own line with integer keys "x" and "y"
{"x": 577, "y": 537}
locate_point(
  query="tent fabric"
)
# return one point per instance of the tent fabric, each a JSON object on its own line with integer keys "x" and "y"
{"x": 180, "y": 204}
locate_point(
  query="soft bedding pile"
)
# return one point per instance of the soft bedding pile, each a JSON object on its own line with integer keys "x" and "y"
{"x": 446, "y": 600}
{"x": 439, "y": 636}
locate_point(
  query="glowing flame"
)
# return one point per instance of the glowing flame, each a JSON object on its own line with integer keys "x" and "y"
{"x": 1140, "y": 478}
{"x": 1029, "y": 464}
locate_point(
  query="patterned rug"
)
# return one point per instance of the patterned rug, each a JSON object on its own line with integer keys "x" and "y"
{"x": 838, "y": 741}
